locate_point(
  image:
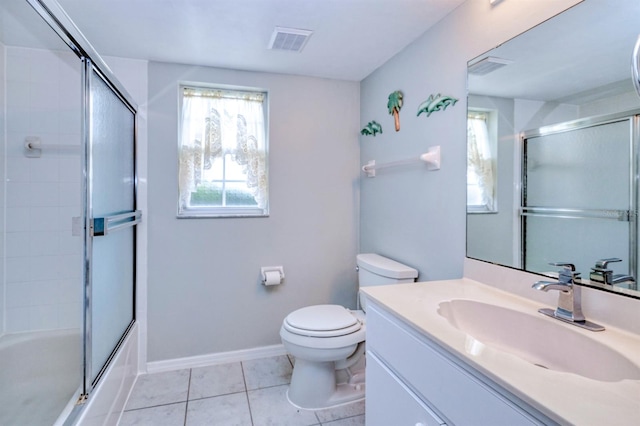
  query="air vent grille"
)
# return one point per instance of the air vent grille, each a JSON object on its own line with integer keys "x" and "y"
{"x": 289, "y": 39}
{"x": 487, "y": 65}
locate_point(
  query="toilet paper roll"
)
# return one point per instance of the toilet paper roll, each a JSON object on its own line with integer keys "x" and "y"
{"x": 272, "y": 278}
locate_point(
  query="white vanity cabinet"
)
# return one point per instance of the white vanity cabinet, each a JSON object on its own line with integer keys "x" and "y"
{"x": 412, "y": 381}
{"x": 391, "y": 402}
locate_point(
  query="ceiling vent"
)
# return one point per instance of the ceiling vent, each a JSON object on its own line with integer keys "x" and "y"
{"x": 289, "y": 39}
{"x": 486, "y": 65}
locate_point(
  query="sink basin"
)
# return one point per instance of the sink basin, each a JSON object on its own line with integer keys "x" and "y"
{"x": 542, "y": 341}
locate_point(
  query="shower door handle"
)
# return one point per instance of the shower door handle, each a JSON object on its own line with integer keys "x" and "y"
{"x": 103, "y": 225}
{"x": 635, "y": 66}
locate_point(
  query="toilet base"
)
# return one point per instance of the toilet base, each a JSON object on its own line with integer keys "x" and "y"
{"x": 313, "y": 386}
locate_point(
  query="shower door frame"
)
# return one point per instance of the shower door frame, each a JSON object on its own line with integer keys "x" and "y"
{"x": 88, "y": 69}
{"x": 631, "y": 216}
{"x": 64, "y": 27}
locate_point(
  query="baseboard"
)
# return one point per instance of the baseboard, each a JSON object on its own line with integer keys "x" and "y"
{"x": 215, "y": 358}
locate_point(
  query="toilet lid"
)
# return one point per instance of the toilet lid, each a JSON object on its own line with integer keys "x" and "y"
{"x": 322, "y": 321}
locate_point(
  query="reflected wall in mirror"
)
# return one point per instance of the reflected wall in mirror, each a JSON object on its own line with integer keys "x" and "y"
{"x": 553, "y": 131}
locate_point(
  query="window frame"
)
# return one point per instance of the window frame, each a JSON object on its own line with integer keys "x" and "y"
{"x": 219, "y": 212}
{"x": 492, "y": 133}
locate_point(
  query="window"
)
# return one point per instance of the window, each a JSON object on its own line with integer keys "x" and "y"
{"x": 223, "y": 153}
{"x": 481, "y": 157}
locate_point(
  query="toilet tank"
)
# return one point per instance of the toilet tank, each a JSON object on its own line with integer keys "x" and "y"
{"x": 374, "y": 269}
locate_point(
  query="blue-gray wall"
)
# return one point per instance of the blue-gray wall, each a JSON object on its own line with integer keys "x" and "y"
{"x": 2, "y": 149}
{"x": 410, "y": 214}
{"x": 204, "y": 292}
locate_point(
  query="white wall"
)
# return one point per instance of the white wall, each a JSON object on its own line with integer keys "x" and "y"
{"x": 43, "y": 260}
{"x": 204, "y": 291}
{"x": 531, "y": 115}
{"x": 623, "y": 102}
{"x": 409, "y": 214}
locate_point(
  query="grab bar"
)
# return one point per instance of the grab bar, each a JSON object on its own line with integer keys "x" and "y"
{"x": 635, "y": 65}
{"x": 33, "y": 147}
{"x": 103, "y": 225}
{"x": 431, "y": 157}
{"x": 564, "y": 213}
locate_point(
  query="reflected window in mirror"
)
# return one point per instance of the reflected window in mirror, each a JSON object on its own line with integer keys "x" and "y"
{"x": 482, "y": 153}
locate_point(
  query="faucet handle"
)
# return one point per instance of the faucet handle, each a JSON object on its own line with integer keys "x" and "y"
{"x": 602, "y": 263}
{"x": 568, "y": 266}
{"x": 568, "y": 272}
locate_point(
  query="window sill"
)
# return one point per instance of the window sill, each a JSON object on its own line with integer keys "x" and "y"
{"x": 480, "y": 211}
{"x": 221, "y": 213}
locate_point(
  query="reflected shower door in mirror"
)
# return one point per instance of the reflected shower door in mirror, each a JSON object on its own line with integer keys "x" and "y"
{"x": 577, "y": 198}
{"x": 557, "y": 180}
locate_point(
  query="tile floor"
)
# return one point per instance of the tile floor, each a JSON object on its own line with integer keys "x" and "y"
{"x": 250, "y": 393}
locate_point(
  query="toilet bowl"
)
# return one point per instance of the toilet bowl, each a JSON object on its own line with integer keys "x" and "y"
{"x": 328, "y": 341}
{"x": 322, "y": 340}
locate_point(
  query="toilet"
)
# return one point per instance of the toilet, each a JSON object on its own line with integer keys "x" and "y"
{"x": 328, "y": 341}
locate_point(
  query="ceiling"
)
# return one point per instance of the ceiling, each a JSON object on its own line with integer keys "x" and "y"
{"x": 351, "y": 38}
{"x": 577, "y": 57}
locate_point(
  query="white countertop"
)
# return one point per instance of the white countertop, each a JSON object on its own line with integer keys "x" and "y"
{"x": 565, "y": 397}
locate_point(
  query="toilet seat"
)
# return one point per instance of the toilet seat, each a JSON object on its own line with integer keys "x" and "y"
{"x": 322, "y": 321}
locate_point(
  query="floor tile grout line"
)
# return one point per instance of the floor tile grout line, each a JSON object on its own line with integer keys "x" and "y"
{"x": 246, "y": 392}
{"x": 267, "y": 387}
{"x": 186, "y": 406}
{"x": 155, "y": 406}
{"x": 200, "y": 398}
{"x": 246, "y": 395}
{"x": 289, "y": 359}
{"x": 340, "y": 419}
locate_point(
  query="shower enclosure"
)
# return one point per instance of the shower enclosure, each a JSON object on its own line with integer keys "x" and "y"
{"x": 68, "y": 217}
{"x": 579, "y": 194}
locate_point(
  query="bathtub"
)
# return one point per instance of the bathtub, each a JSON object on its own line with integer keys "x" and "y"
{"x": 40, "y": 373}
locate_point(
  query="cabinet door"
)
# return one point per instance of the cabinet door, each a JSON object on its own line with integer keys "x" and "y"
{"x": 390, "y": 402}
{"x": 462, "y": 398}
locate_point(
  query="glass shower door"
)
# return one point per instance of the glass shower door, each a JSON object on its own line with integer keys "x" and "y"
{"x": 578, "y": 197}
{"x": 111, "y": 220}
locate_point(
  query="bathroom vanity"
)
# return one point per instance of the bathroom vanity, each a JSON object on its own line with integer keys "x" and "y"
{"x": 464, "y": 353}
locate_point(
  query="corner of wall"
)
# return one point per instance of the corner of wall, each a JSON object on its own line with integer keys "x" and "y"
{"x": 3, "y": 137}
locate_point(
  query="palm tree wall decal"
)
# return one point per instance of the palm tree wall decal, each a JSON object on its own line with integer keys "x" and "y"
{"x": 394, "y": 105}
{"x": 371, "y": 128}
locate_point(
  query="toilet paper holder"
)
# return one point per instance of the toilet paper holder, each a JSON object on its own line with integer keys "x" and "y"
{"x": 268, "y": 280}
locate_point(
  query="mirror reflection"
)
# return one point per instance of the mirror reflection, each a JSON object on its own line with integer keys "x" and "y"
{"x": 553, "y": 123}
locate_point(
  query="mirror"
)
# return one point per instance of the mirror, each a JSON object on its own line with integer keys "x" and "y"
{"x": 553, "y": 123}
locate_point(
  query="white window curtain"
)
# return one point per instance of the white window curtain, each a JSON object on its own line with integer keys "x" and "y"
{"x": 480, "y": 160}
{"x": 220, "y": 122}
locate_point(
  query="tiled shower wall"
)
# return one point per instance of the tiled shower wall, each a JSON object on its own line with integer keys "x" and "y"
{"x": 43, "y": 261}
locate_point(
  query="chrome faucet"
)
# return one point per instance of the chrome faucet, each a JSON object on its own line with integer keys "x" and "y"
{"x": 569, "y": 299}
{"x": 600, "y": 273}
